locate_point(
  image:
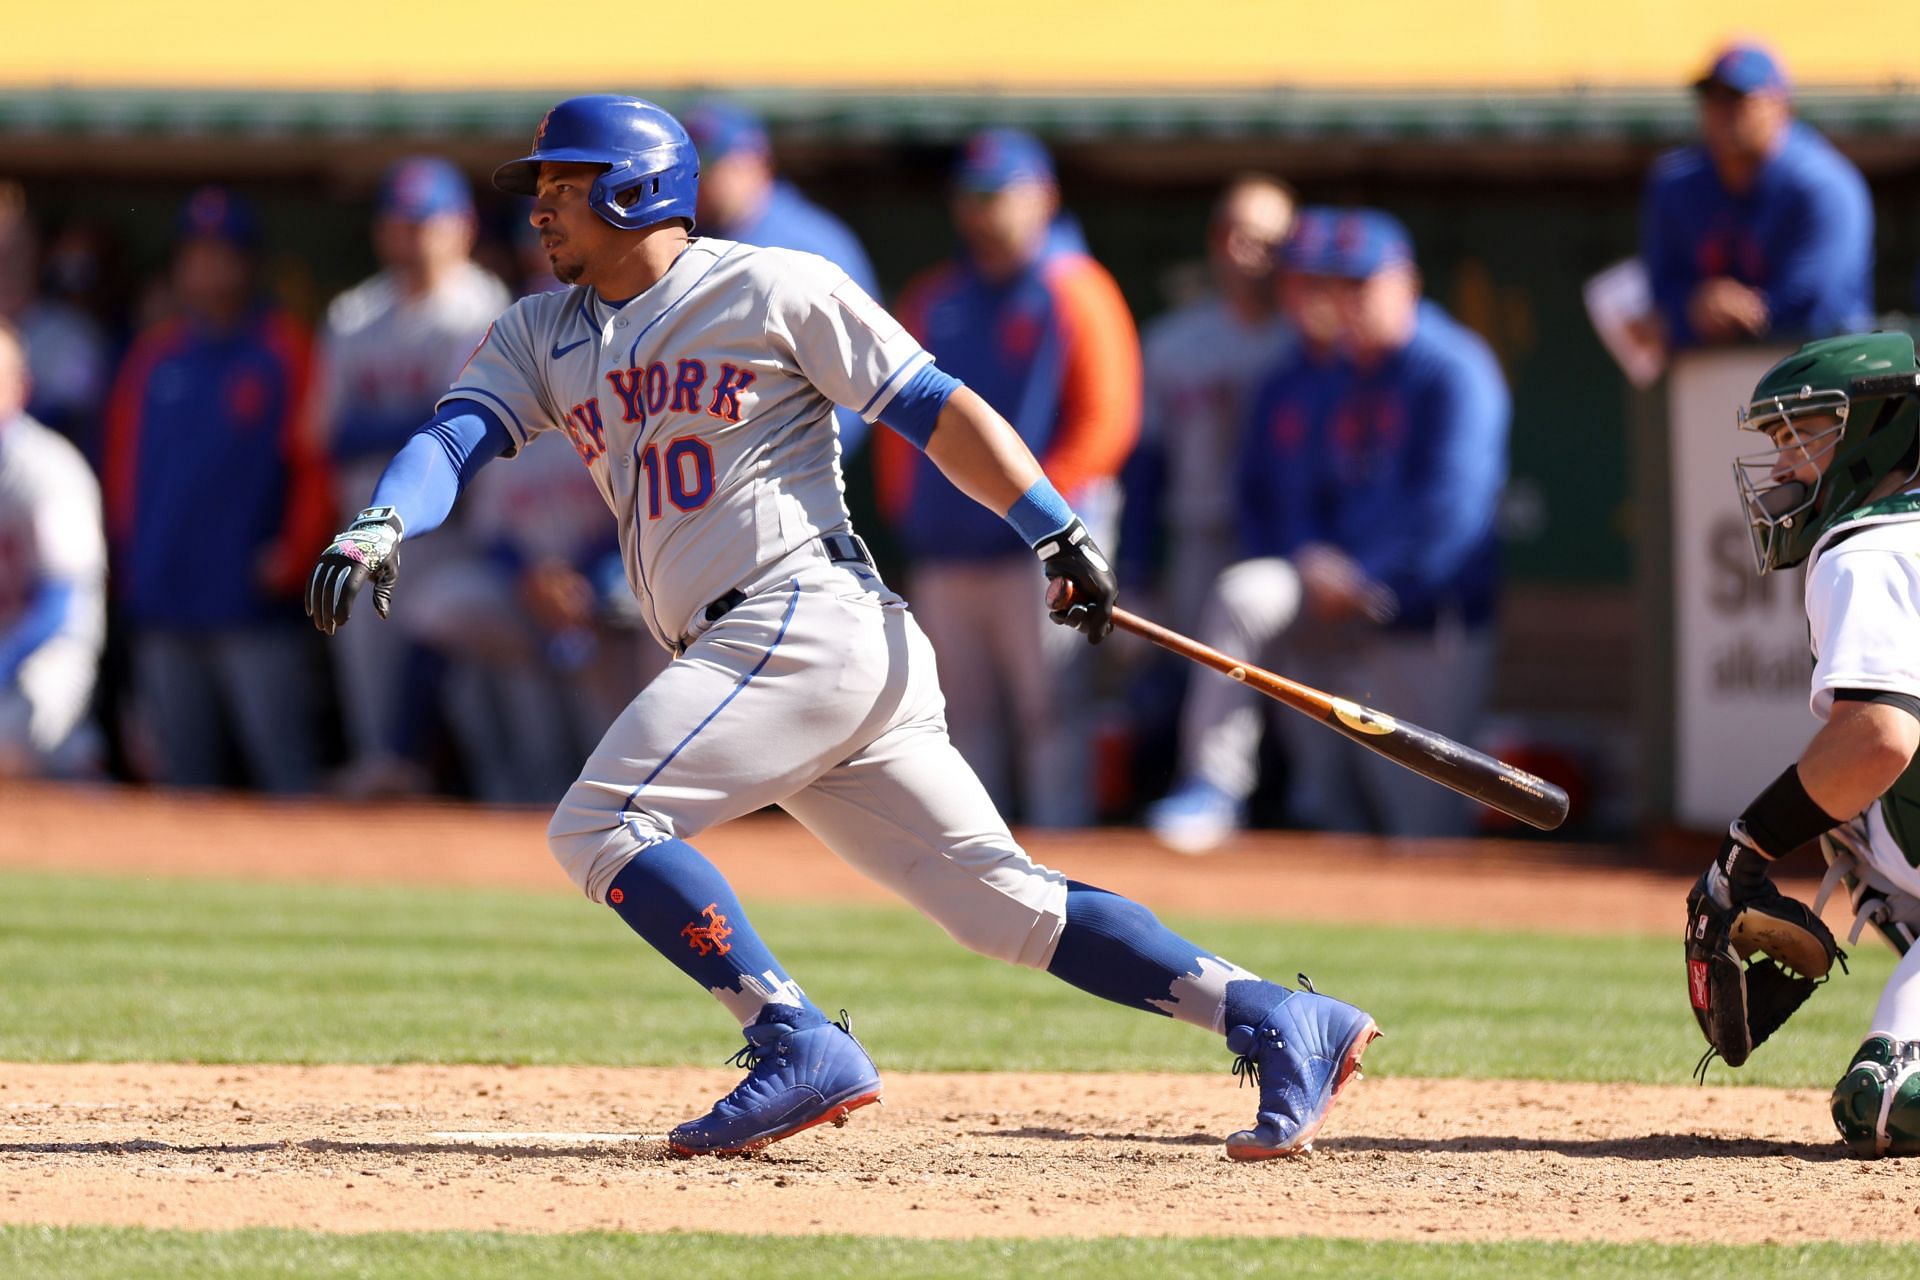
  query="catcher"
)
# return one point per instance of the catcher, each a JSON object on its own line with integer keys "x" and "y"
{"x": 1836, "y": 489}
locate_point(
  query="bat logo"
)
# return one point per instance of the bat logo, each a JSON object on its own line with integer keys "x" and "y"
{"x": 1365, "y": 719}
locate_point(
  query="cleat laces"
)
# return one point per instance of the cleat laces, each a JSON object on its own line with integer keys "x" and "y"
{"x": 1246, "y": 1067}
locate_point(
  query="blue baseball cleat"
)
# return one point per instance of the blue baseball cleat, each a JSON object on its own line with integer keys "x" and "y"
{"x": 797, "y": 1077}
{"x": 1301, "y": 1055}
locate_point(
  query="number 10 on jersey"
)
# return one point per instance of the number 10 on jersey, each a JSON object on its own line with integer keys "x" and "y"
{"x": 686, "y": 466}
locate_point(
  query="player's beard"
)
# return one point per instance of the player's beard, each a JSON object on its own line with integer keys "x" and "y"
{"x": 566, "y": 272}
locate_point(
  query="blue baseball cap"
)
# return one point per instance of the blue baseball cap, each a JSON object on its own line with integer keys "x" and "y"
{"x": 996, "y": 159}
{"x": 215, "y": 213}
{"x": 1351, "y": 244}
{"x": 1744, "y": 68}
{"x": 423, "y": 187}
{"x": 720, "y": 129}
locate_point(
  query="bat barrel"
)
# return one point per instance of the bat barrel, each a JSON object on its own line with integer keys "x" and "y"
{"x": 1494, "y": 783}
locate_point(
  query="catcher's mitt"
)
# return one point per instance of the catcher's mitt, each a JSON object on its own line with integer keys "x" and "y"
{"x": 1750, "y": 964}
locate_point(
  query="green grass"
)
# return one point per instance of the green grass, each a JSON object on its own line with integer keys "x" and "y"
{"x": 124, "y": 969}
{"x": 89, "y": 1253}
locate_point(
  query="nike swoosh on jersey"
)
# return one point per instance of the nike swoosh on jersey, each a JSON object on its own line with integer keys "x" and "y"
{"x": 559, "y": 350}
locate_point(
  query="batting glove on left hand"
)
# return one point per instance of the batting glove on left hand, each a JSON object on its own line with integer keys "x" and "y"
{"x": 1071, "y": 555}
{"x": 369, "y": 549}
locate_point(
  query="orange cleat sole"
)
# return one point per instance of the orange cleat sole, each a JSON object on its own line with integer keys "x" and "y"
{"x": 1303, "y": 1141}
{"x": 836, "y": 1115}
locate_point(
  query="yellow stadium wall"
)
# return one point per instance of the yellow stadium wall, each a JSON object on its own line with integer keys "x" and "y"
{"x": 1032, "y": 45}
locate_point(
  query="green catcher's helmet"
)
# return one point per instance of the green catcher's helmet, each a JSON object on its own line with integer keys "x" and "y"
{"x": 1851, "y": 406}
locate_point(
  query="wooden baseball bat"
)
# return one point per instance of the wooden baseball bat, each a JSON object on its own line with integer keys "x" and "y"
{"x": 1494, "y": 783}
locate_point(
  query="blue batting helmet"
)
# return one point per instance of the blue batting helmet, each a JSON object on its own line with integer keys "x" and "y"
{"x": 651, "y": 166}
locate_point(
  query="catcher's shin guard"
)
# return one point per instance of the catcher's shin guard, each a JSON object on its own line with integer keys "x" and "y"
{"x": 1876, "y": 1105}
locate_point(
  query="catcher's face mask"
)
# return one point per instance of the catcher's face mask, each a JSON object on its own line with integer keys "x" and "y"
{"x": 1780, "y": 486}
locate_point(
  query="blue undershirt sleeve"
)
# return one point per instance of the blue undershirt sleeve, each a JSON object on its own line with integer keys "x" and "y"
{"x": 431, "y": 469}
{"x": 914, "y": 410}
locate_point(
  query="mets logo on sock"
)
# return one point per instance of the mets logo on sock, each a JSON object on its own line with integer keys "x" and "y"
{"x": 709, "y": 939}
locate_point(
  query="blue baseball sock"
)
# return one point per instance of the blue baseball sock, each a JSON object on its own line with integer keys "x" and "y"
{"x": 679, "y": 902}
{"x": 1118, "y": 950}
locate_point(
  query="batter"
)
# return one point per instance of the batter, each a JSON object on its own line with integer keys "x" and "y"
{"x": 697, "y": 380}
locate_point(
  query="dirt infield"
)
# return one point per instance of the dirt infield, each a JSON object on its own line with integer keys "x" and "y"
{"x": 343, "y": 1148}
{"x": 534, "y": 1149}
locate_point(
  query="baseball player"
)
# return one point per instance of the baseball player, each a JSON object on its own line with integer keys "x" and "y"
{"x": 696, "y": 379}
{"x": 1835, "y": 489}
{"x": 1369, "y": 479}
{"x": 1763, "y": 229}
{"x": 53, "y": 573}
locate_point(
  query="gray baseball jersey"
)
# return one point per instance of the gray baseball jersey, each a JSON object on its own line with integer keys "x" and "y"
{"x": 703, "y": 409}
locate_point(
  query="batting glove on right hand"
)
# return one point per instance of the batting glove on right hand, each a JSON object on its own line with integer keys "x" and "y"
{"x": 370, "y": 548}
{"x": 1072, "y": 556}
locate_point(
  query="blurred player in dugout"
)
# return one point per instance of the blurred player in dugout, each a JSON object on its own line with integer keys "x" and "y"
{"x": 53, "y": 574}
{"x": 207, "y": 463}
{"x": 741, "y": 197}
{"x": 1369, "y": 477}
{"x": 1762, "y": 230}
{"x": 389, "y": 346}
{"x": 1039, "y": 330}
{"x": 1202, "y": 361}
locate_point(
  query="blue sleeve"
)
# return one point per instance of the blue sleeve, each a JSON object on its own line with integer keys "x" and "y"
{"x": 431, "y": 469}
{"x": 1455, "y": 468}
{"x": 1663, "y": 248}
{"x": 47, "y": 611}
{"x": 914, "y": 410}
{"x": 1820, "y": 284}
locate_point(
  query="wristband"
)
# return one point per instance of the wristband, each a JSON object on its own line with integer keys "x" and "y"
{"x": 1784, "y": 817}
{"x": 1039, "y": 513}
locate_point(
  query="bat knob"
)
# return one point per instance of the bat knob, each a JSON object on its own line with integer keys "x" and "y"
{"x": 1059, "y": 593}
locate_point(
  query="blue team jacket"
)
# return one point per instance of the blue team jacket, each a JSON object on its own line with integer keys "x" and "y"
{"x": 1400, "y": 466}
{"x": 1803, "y": 236}
{"x": 209, "y": 479}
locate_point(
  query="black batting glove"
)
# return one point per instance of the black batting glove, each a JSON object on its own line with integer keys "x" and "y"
{"x": 369, "y": 549}
{"x": 1070, "y": 556}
